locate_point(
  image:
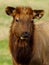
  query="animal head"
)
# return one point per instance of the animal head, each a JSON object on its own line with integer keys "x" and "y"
{"x": 23, "y": 20}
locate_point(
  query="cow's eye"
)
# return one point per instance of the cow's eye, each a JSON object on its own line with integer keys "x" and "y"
{"x": 17, "y": 19}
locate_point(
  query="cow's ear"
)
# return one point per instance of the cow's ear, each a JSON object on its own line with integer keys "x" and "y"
{"x": 10, "y": 10}
{"x": 38, "y": 13}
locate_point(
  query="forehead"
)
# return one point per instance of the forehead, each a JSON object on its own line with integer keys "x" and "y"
{"x": 24, "y": 12}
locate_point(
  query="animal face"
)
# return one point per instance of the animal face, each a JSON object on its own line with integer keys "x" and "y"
{"x": 23, "y": 20}
{"x": 22, "y": 25}
{"x": 22, "y": 32}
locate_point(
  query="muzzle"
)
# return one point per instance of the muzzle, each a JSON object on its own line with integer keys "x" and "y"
{"x": 25, "y": 35}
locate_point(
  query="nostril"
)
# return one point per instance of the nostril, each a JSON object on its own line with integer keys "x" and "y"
{"x": 25, "y": 35}
{"x": 26, "y": 32}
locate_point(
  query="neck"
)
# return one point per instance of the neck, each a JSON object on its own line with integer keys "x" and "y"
{"x": 22, "y": 53}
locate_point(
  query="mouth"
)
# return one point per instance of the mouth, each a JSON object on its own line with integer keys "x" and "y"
{"x": 24, "y": 38}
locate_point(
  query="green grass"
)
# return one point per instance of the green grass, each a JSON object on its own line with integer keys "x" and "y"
{"x": 5, "y": 58}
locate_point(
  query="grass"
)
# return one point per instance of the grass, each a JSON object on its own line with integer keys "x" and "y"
{"x": 5, "y": 58}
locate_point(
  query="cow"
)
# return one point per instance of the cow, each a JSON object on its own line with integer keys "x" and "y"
{"x": 27, "y": 40}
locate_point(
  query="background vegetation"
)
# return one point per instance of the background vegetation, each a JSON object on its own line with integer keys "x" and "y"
{"x": 5, "y": 57}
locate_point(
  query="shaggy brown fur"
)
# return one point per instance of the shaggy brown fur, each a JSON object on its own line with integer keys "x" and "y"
{"x": 21, "y": 40}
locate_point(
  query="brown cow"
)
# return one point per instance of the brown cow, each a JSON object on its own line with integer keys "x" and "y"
{"x": 25, "y": 44}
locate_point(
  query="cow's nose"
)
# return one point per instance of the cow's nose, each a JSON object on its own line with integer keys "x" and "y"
{"x": 25, "y": 35}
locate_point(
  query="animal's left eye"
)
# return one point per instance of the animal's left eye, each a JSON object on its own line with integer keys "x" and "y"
{"x": 17, "y": 19}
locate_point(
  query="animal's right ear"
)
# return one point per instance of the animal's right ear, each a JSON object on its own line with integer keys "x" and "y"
{"x": 10, "y": 11}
